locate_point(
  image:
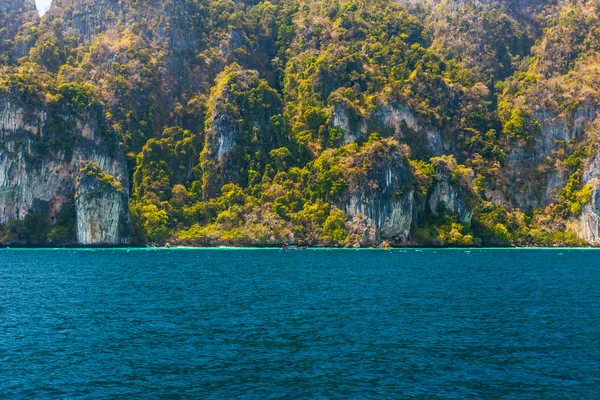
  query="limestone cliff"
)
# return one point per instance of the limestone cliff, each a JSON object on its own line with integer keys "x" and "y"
{"x": 396, "y": 120}
{"x": 445, "y": 122}
{"x": 15, "y": 17}
{"x": 87, "y": 19}
{"x": 451, "y": 190}
{"x": 380, "y": 201}
{"x": 533, "y": 177}
{"x": 102, "y": 208}
{"x": 239, "y": 119}
{"x": 38, "y": 172}
{"x": 589, "y": 221}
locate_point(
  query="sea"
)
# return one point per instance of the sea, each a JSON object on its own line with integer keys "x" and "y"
{"x": 300, "y": 324}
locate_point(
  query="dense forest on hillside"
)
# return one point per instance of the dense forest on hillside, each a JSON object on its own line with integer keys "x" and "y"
{"x": 330, "y": 123}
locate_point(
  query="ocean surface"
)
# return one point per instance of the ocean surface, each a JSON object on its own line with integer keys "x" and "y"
{"x": 257, "y": 324}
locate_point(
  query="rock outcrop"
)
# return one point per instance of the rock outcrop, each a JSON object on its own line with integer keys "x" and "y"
{"x": 102, "y": 208}
{"x": 15, "y": 15}
{"x": 87, "y": 19}
{"x": 527, "y": 187}
{"x": 589, "y": 220}
{"x": 239, "y": 118}
{"x": 451, "y": 190}
{"x": 382, "y": 200}
{"x": 395, "y": 120}
{"x": 385, "y": 197}
{"x": 38, "y": 174}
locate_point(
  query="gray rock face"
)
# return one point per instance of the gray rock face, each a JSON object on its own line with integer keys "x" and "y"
{"x": 394, "y": 116}
{"x": 87, "y": 19}
{"x": 14, "y": 16}
{"x": 343, "y": 120}
{"x": 364, "y": 229}
{"x": 387, "y": 120}
{"x": 384, "y": 201}
{"x": 43, "y": 179}
{"x": 589, "y": 220}
{"x": 384, "y": 196}
{"x": 522, "y": 163}
{"x": 102, "y": 209}
{"x": 452, "y": 196}
{"x": 516, "y": 5}
{"x": 529, "y": 195}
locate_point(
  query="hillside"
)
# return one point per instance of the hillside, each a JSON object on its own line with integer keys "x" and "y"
{"x": 325, "y": 123}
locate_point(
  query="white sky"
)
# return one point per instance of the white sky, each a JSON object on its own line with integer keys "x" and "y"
{"x": 43, "y": 5}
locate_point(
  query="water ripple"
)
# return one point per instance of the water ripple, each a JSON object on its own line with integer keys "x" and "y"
{"x": 300, "y": 324}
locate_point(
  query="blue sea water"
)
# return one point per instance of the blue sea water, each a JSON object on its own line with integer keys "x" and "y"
{"x": 454, "y": 324}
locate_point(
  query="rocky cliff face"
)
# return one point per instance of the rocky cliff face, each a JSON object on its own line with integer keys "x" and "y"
{"x": 15, "y": 15}
{"x": 589, "y": 221}
{"x": 533, "y": 176}
{"x": 37, "y": 175}
{"x": 380, "y": 203}
{"x": 395, "y": 120}
{"x": 298, "y": 88}
{"x": 102, "y": 208}
{"x": 239, "y": 118}
{"x": 87, "y": 19}
{"x": 383, "y": 203}
{"x": 451, "y": 193}
{"x": 155, "y": 25}
{"x": 517, "y": 5}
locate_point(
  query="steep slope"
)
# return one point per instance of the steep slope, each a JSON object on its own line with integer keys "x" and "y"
{"x": 17, "y": 19}
{"x": 44, "y": 149}
{"x": 344, "y": 123}
{"x": 550, "y": 116}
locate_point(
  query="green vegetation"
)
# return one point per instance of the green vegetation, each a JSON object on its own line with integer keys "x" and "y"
{"x": 313, "y": 122}
{"x": 94, "y": 171}
{"x": 38, "y": 230}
